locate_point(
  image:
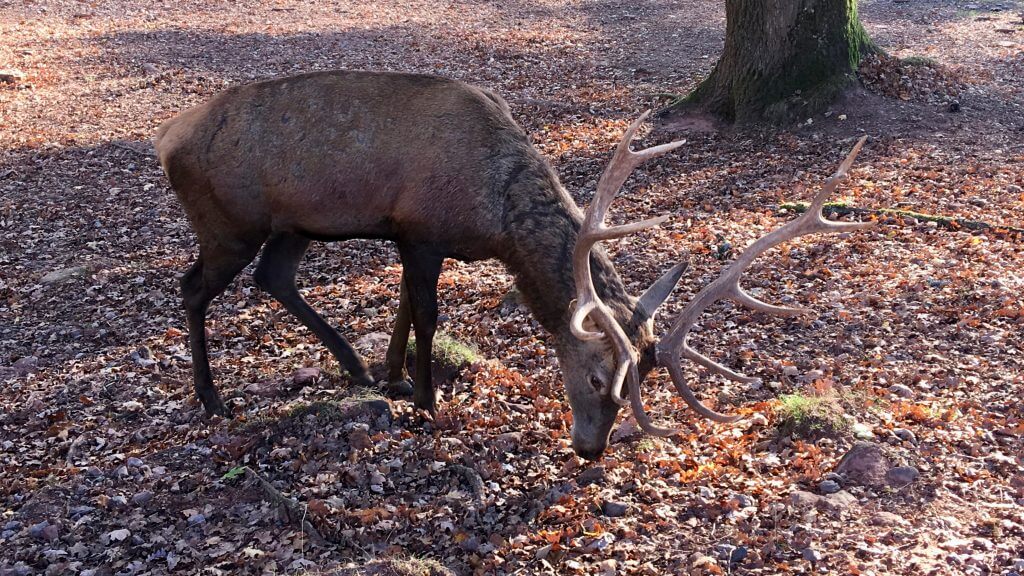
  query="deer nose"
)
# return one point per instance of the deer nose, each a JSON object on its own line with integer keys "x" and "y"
{"x": 588, "y": 452}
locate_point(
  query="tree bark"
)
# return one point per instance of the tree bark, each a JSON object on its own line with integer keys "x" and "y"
{"x": 783, "y": 60}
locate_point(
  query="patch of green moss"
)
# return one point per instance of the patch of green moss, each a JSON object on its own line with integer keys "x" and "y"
{"x": 920, "y": 61}
{"x": 449, "y": 351}
{"x": 811, "y": 416}
{"x": 322, "y": 409}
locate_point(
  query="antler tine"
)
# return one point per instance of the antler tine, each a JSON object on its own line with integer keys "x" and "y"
{"x": 637, "y": 403}
{"x": 673, "y": 346}
{"x": 588, "y": 304}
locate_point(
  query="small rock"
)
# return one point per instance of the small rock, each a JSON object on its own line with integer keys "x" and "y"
{"x": 901, "y": 390}
{"x": 905, "y": 435}
{"x": 592, "y": 475}
{"x": 196, "y": 520}
{"x": 864, "y": 465}
{"x": 372, "y": 341}
{"x": 134, "y": 462}
{"x": 802, "y": 499}
{"x": 743, "y": 501}
{"x": 79, "y": 511}
{"x": 13, "y": 525}
{"x": 738, "y": 554}
{"x": 977, "y": 201}
{"x": 305, "y": 376}
{"x": 811, "y": 555}
{"x": 700, "y": 561}
{"x": 608, "y": 567}
{"x": 64, "y": 274}
{"x": 11, "y": 76}
{"x": 398, "y": 389}
{"x": 1018, "y": 564}
{"x": 614, "y": 509}
{"x": 829, "y": 487}
{"x": 25, "y": 366}
{"x": 954, "y": 106}
{"x": 886, "y": 519}
{"x": 758, "y": 419}
{"x": 142, "y": 498}
{"x": 901, "y": 476}
{"x": 862, "y": 431}
{"x": 840, "y": 501}
{"x": 44, "y": 531}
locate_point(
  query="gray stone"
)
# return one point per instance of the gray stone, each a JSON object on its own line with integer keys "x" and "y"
{"x": 64, "y": 274}
{"x": 864, "y": 465}
{"x": 901, "y": 390}
{"x": 372, "y": 341}
{"x": 886, "y": 519}
{"x": 811, "y": 555}
{"x": 839, "y": 501}
{"x": 901, "y": 476}
{"x": 13, "y": 525}
{"x": 592, "y": 475}
{"x": 134, "y": 462}
{"x": 862, "y": 431}
{"x": 905, "y": 435}
{"x": 305, "y": 376}
{"x": 44, "y": 531}
{"x": 743, "y": 501}
{"x": 614, "y": 509}
{"x": 78, "y": 511}
{"x": 142, "y": 498}
{"x": 802, "y": 499}
{"x": 196, "y": 520}
{"x": 25, "y": 366}
{"x": 829, "y": 487}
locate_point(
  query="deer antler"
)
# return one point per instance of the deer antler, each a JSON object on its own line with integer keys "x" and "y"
{"x": 673, "y": 344}
{"x": 588, "y": 304}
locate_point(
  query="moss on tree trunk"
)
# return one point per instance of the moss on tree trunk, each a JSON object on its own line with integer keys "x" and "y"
{"x": 783, "y": 60}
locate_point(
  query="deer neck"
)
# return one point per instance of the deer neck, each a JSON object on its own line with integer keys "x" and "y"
{"x": 541, "y": 225}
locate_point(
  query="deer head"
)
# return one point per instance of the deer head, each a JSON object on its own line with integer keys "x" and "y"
{"x": 596, "y": 386}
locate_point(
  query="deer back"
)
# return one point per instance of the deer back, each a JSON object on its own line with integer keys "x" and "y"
{"x": 335, "y": 155}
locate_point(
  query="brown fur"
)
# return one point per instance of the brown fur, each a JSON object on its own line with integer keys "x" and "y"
{"x": 436, "y": 165}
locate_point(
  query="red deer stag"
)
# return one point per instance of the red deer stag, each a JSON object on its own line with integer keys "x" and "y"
{"x": 442, "y": 169}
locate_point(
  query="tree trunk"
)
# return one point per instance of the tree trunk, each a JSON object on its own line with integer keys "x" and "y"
{"x": 783, "y": 60}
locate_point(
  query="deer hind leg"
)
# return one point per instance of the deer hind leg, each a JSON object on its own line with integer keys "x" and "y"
{"x": 276, "y": 274}
{"x": 212, "y": 272}
{"x": 421, "y": 268}
{"x": 398, "y": 378}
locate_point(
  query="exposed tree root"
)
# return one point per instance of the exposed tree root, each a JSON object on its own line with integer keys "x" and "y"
{"x": 897, "y": 215}
{"x": 294, "y": 510}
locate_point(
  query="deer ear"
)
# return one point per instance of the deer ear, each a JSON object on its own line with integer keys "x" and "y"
{"x": 659, "y": 291}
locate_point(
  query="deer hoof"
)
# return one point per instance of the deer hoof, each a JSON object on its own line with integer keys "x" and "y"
{"x": 425, "y": 400}
{"x": 216, "y": 407}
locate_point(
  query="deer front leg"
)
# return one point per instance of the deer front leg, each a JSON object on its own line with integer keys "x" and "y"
{"x": 421, "y": 268}
{"x": 398, "y": 380}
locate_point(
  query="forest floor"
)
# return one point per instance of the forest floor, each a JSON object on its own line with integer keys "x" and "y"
{"x": 107, "y": 465}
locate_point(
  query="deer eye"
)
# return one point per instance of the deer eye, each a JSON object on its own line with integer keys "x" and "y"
{"x": 596, "y": 382}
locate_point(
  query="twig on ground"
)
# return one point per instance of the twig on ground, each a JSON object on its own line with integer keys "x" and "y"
{"x": 295, "y": 511}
